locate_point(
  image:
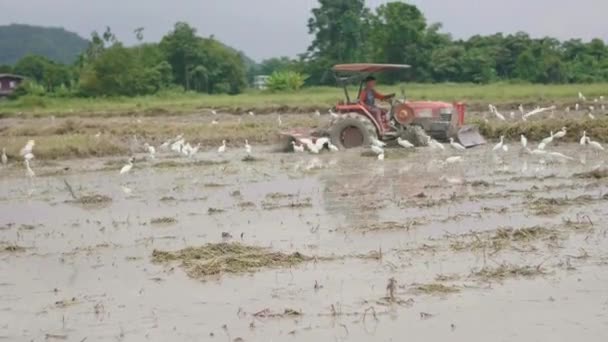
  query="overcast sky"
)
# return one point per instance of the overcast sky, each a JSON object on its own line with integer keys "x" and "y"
{"x": 266, "y": 28}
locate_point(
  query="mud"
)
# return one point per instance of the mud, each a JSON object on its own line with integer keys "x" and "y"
{"x": 306, "y": 247}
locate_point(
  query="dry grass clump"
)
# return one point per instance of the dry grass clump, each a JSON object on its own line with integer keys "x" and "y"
{"x": 537, "y": 130}
{"x": 595, "y": 174}
{"x": 11, "y": 248}
{"x": 163, "y": 221}
{"x": 502, "y": 238}
{"x": 217, "y": 258}
{"x": 435, "y": 289}
{"x": 506, "y": 271}
{"x": 552, "y": 206}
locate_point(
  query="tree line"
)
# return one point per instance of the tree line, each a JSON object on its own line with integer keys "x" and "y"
{"x": 343, "y": 31}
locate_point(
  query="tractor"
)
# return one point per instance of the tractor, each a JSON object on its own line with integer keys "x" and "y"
{"x": 354, "y": 125}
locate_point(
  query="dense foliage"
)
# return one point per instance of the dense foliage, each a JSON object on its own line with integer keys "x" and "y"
{"x": 343, "y": 31}
{"x": 285, "y": 81}
{"x": 56, "y": 44}
{"x": 346, "y": 31}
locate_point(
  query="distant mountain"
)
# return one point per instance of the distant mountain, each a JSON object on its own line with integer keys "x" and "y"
{"x": 57, "y": 44}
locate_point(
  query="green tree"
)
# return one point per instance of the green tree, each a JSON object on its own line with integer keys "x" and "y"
{"x": 397, "y": 33}
{"x": 340, "y": 29}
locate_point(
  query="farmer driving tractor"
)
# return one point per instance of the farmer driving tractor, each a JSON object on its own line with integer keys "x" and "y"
{"x": 369, "y": 95}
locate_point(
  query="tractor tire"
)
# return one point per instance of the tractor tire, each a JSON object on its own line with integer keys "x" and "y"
{"x": 416, "y": 135}
{"x": 352, "y": 130}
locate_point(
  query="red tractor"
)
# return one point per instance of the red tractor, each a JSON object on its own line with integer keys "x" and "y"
{"x": 417, "y": 121}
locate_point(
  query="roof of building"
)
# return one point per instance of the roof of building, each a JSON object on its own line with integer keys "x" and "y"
{"x": 11, "y": 76}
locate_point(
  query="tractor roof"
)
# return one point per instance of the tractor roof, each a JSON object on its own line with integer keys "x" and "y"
{"x": 368, "y": 67}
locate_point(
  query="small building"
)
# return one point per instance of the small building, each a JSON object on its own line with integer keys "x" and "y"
{"x": 8, "y": 84}
{"x": 259, "y": 81}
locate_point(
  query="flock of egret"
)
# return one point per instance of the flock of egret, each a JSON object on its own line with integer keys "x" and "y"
{"x": 538, "y": 110}
{"x": 179, "y": 145}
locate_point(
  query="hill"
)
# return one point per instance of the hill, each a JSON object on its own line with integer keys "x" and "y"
{"x": 55, "y": 43}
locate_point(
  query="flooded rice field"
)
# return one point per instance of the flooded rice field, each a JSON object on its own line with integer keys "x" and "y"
{"x": 298, "y": 247}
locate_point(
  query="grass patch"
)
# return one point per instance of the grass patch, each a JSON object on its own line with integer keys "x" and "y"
{"x": 305, "y": 100}
{"x": 217, "y": 258}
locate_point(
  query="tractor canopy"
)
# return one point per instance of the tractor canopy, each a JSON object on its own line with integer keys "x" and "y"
{"x": 367, "y": 67}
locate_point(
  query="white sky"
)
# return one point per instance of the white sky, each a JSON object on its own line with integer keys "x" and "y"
{"x": 267, "y": 28}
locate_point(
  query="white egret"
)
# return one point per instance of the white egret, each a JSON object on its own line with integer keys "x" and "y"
{"x": 452, "y": 160}
{"x": 568, "y": 109}
{"x": 494, "y": 110}
{"x": 377, "y": 142}
{"x": 377, "y": 149}
{"x": 560, "y": 156}
{"x": 251, "y": 113}
{"x": 381, "y": 156}
{"x": 333, "y": 115}
{"x": 214, "y": 122}
{"x": 194, "y": 150}
{"x": 320, "y": 143}
{"x": 4, "y": 157}
{"x": 581, "y": 96}
{"x": 547, "y": 140}
{"x": 28, "y": 147}
{"x": 524, "y": 141}
{"x": 222, "y": 148}
{"x": 247, "y": 147}
{"x": 404, "y": 143}
{"x": 521, "y": 109}
{"x": 560, "y": 134}
{"x": 457, "y": 145}
{"x": 98, "y": 135}
{"x": 297, "y": 148}
{"x": 583, "y": 140}
{"x": 313, "y": 148}
{"x": 213, "y": 112}
{"x": 151, "y": 150}
{"x": 317, "y": 113}
{"x": 576, "y": 107}
{"x": 512, "y": 115}
{"x": 591, "y": 108}
{"x": 127, "y": 168}
{"x": 596, "y": 145}
{"x": 500, "y": 144}
{"x": 591, "y": 116}
{"x": 434, "y": 144}
{"x": 28, "y": 170}
{"x": 279, "y": 121}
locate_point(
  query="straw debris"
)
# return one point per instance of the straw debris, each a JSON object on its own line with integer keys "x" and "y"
{"x": 217, "y": 258}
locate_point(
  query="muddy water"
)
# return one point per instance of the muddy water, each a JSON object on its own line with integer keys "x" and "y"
{"x": 85, "y": 271}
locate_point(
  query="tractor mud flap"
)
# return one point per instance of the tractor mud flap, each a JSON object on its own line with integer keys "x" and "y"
{"x": 469, "y": 136}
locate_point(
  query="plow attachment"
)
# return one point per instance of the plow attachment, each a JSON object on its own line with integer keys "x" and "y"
{"x": 469, "y": 136}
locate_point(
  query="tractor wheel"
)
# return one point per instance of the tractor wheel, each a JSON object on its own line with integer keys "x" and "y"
{"x": 352, "y": 130}
{"x": 416, "y": 135}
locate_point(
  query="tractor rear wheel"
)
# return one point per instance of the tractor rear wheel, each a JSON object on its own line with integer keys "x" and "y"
{"x": 416, "y": 135}
{"x": 352, "y": 130}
